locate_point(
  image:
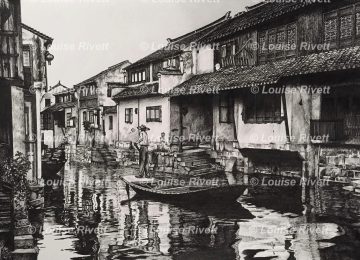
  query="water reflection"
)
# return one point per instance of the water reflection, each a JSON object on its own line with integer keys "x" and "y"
{"x": 90, "y": 217}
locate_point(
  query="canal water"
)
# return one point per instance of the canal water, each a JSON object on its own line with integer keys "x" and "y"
{"x": 90, "y": 217}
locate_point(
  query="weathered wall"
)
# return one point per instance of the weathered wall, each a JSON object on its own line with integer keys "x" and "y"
{"x": 128, "y": 132}
{"x": 198, "y": 117}
{"x": 204, "y": 60}
{"x": 18, "y": 120}
{"x": 113, "y": 75}
{"x": 168, "y": 82}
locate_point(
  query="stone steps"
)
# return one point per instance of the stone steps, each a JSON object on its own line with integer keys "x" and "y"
{"x": 5, "y": 212}
{"x": 24, "y": 242}
{"x": 196, "y": 162}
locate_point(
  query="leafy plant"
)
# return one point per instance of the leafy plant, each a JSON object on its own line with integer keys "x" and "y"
{"x": 14, "y": 171}
{"x": 87, "y": 125}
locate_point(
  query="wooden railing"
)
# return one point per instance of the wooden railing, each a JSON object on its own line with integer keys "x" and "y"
{"x": 352, "y": 126}
{"x": 327, "y": 130}
{"x": 236, "y": 60}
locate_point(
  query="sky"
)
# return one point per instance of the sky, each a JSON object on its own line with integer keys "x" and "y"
{"x": 91, "y": 35}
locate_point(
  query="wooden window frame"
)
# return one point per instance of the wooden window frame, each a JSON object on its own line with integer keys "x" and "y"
{"x": 150, "y": 118}
{"x": 352, "y": 10}
{"x": 91, "y": 117}
{"x": 266, "y": 54}
{"x": 129, "y": 115}
{"x": 228, "y": 107}
{"x": 253, "y": 102}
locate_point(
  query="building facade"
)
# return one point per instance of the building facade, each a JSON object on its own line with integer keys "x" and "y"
{"x": 49, "y": 138}
{"x": 286, "y": 80}
{"x": 36, "y": 55}
{"x": 94, "y": 99}
{"x": 143, "y": 101}
{"x": 59, "y": 121}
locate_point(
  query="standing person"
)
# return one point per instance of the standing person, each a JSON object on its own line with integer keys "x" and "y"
{"x": 143, "y": 142}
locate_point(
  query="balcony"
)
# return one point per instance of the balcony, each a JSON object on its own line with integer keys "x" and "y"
{"x": 238, "y": 60}
{"x": 327, "y": 130}
{"x": 345, "y": 129}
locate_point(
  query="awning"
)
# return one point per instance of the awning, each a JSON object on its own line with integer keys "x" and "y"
{"x": 269, "y": 73}
{"x": 271, "y": 155}
{"x": 59, "y": 107}
{"x": 144, "y": 90}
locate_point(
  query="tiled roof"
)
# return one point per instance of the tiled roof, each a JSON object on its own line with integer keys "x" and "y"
{"x": 143, "y": 90}
{"x": 59, "y": 107}
{"x": 110, "y": 110}
{"x": 270, "y": 73}
{"x": 93, "y": 78}
{"x": 254, "y": 17}
{"x": 34, "y": 31}
{"x": 175, "y": 46}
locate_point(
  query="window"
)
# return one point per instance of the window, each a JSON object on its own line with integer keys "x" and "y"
{"x": 110, "y": 123}
{"x": 47, "y": 102}
{"x": 128, "y": 115}
{"x": 223, "y": 51}
{"x": 226, "y": 109}
{"x": 46, "y": 121}
{"x": 26, "y": 58}
{"x": 153, "y": 114}
{"x": 330, "y": 30}
{"x": 69, "y": 122}
{"x": 346, "y": 27}
{"x": 91, "y": 117}
{"x": 342, "y": 26}
{"x": 138, "y": 76}
{"x": 260, "y": 109}
{"x": 278, "y": 42}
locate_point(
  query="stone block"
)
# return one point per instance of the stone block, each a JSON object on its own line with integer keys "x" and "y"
{"x": 23, "y": 242}
{"x": 352, "y": 161}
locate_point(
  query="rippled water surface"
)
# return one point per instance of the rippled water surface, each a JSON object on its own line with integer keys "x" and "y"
{"x": 90, "y": 217}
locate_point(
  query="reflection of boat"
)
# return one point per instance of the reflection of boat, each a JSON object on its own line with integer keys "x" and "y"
{"x": 53, "y": 161}
{"x": 145, "y": 187}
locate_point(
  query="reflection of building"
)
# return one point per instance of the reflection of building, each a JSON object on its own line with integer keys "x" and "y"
{"x": 94, "y": 99}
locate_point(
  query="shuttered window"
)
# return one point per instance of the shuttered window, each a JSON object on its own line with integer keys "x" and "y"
{"x": 262, "y": 109}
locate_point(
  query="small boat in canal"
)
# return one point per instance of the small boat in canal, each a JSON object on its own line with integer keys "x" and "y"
{"x": 52, "y": 163}
{"x": 146, "y": 187}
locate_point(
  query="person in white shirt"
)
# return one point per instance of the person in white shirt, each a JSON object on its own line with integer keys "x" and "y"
{"x": 143, "y": 142}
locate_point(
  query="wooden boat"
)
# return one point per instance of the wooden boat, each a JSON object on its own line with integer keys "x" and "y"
{"x": 145, "y": 188}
